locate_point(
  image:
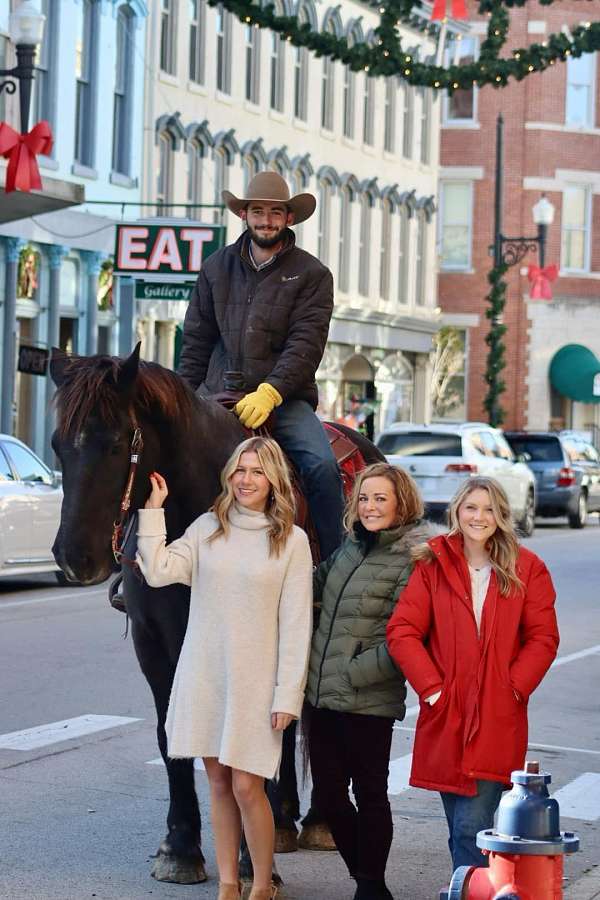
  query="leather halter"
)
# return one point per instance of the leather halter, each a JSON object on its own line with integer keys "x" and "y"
{"x": 137, "y": 445}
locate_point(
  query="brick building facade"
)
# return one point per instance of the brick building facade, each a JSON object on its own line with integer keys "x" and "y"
{"x": 551, "y": 146}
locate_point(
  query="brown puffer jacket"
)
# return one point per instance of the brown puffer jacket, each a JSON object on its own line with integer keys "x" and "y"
{"x": 271, "y": 325}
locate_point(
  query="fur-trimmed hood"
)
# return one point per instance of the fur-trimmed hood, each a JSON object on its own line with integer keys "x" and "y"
{"x": 414, "y": 534}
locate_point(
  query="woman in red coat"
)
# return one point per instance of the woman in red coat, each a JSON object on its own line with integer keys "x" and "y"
{"x": 474, "y": 632}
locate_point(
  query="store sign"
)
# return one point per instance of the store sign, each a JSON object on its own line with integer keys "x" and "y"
{"x": 165, "y": 249}
{"x": 153, "y": 290}
{"x": 32, "y": 360}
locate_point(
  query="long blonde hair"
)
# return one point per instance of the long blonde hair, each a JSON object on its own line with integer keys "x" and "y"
{"x": 410, "y": 504}
{"x": 503, "y": 546}
{"x": 281, "y": 505}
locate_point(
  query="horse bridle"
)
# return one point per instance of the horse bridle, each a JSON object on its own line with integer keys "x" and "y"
{"x": 117, "y": 541}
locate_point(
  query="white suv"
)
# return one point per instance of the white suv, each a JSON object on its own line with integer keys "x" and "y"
{"x": 440, "y": 457}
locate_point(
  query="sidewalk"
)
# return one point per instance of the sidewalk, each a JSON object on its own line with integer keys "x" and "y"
{"x": 585, "y": 888}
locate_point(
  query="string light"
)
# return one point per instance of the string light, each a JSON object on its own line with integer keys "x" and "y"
{"x": 386, "y": 56}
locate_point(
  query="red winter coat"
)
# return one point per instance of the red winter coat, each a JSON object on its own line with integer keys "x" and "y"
{"x": 478, "y": 727}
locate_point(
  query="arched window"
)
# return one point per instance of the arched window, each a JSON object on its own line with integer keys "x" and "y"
{"x": 425, "y": 96}
{"x": 123, "y": 94}
{"x": 403, "y": 255}
{"x": 369, "y": 100}
{"x": 254, "y": 159}
{"x": 169, "y": 135}
{"x": 168, "y": 36}
{"x": 164, "y": 179}
{"x": 331, "y": 25}
{"x": 223, "y": 50}
{"x": 348, "y": 193}
{"x": 301, "y": 65}
{"x": 302, "y": 171}
{"x": 353, "y": 35}
{"x": 224, "y": 152}
{"x": 197, "y": 13}
{"x": 277, "y": 67}
{"x": 44, "y": 83}
{"x": 278, "y": 161}
{"x": 252, "y": 63}
{"x": 385, "y": 257}
{"x": 86, "y": 72}
{"x": 407, "y": 120}
{"x": 421, "y": 261}
{"x": 389, "y": 121}
{"x": 370, "y": 193}
{"x": 327, "y": 180}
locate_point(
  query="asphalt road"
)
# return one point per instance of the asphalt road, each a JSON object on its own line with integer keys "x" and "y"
{"x": 81, "y": 815}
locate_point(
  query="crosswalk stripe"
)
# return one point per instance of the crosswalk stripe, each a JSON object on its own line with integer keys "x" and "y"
{"x": 571, "y": 657}
{"x": 55, "y": 732}
{"x": 399, "y": 775}
{"x": 580, "y": 798}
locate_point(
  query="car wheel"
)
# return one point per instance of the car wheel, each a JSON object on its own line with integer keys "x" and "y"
{"x": 526, "y": 524}
{"x": 579, "y": 519}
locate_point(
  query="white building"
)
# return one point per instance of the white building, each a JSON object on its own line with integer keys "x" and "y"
{"x": 225, "y": 99}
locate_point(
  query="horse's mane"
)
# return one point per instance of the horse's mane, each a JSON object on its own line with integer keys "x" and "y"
{"x": 91, "y": 386}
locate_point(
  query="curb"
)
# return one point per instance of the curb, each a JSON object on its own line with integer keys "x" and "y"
{"x": 585, "y": 888}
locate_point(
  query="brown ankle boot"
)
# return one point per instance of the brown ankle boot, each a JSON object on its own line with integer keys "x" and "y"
{"x": 229, "y": 891}
{"x": 262, "y": 893}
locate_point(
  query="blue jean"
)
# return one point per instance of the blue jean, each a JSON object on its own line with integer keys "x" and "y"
{"x": 303, "y": 438}
{"x": 468, "y": 815}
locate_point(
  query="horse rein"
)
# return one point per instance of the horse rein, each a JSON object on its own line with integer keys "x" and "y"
{"x": 117, "y": 540}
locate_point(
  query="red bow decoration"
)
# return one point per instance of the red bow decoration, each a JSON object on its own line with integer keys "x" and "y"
{"x": 459, "y": 9}
{"x": 540, "y": 280}
{"x": 21, "y": 150}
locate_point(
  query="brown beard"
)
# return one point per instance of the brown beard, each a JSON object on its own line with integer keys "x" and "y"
{"x": 265, "y": 243}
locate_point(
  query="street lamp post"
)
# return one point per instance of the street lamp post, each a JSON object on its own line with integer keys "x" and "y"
{"x": 507, "y": 252}
{"x": 26, "y": 29}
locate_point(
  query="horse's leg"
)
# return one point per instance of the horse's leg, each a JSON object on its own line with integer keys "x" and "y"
{"x": 283, "y": 795}
{"x": 179, "y": 856}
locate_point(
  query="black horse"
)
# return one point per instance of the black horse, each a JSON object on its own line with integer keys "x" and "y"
{"x": 100, "y": 402}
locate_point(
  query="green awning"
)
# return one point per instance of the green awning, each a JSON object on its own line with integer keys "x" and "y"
{"x": 575, "y": 373}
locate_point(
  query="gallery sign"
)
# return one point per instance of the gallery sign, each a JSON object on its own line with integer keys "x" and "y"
{"x": 152, "y": 290}
{"x": 165, "y": 249}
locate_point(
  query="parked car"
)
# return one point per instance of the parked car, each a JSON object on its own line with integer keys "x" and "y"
{"x": 440, "y": 457}
{"x": 30, "y": 501}
{"x": 567, "y": 472}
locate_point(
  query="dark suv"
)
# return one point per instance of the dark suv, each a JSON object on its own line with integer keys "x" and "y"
{"x": 566, "y": 469}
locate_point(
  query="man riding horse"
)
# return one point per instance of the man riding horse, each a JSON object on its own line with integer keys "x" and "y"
{"x": 262, "y": 306}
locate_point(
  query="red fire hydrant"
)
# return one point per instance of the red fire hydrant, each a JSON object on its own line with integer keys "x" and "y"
{"x": 525, "y": 850}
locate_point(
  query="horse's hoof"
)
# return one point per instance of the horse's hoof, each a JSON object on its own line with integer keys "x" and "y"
{"x": 178, "y": 870}
{"x": 286, "y": 840}
{"x": 316, "y": 837}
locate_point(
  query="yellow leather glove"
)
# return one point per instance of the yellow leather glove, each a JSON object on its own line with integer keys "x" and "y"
{"x": 255, "y": 408}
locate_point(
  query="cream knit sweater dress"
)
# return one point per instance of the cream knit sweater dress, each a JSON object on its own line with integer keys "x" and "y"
{"x": 245, "y": 652}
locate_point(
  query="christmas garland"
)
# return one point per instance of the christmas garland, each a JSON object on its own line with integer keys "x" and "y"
{"x": 495, "y": 359}
{"x": 387, "y": 57}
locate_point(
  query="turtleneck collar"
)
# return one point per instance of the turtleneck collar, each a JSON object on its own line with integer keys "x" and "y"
{"x": 249, "y": 519}
{"x": 381, "y": 538}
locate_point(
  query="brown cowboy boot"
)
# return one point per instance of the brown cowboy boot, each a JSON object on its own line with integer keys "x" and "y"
{"x": 229, "y": 891}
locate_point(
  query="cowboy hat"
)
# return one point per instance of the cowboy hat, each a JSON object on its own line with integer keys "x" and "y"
{"x": 272, "y": 188}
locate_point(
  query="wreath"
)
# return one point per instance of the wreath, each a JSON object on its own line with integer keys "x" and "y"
{"x": 386, "y": 57}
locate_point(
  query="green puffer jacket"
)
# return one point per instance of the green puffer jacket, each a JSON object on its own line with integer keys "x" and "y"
{"x": 350, "y": 669}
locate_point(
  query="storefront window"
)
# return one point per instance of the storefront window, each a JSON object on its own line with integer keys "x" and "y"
{"x": 394, "y": 383}
{"x": 448, "y": 377}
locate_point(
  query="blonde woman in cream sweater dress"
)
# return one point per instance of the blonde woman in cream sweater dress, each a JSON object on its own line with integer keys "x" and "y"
{"x": 242, "y": 669}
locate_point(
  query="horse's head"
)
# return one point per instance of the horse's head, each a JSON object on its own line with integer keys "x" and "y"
{"x": 96, "y": 403}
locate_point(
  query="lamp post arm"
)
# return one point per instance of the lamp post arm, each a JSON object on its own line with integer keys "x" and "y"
{"x": 23, "y": 72}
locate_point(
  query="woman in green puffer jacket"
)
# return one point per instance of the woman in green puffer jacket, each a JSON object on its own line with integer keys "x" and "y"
{"x": 354, "y": 691}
